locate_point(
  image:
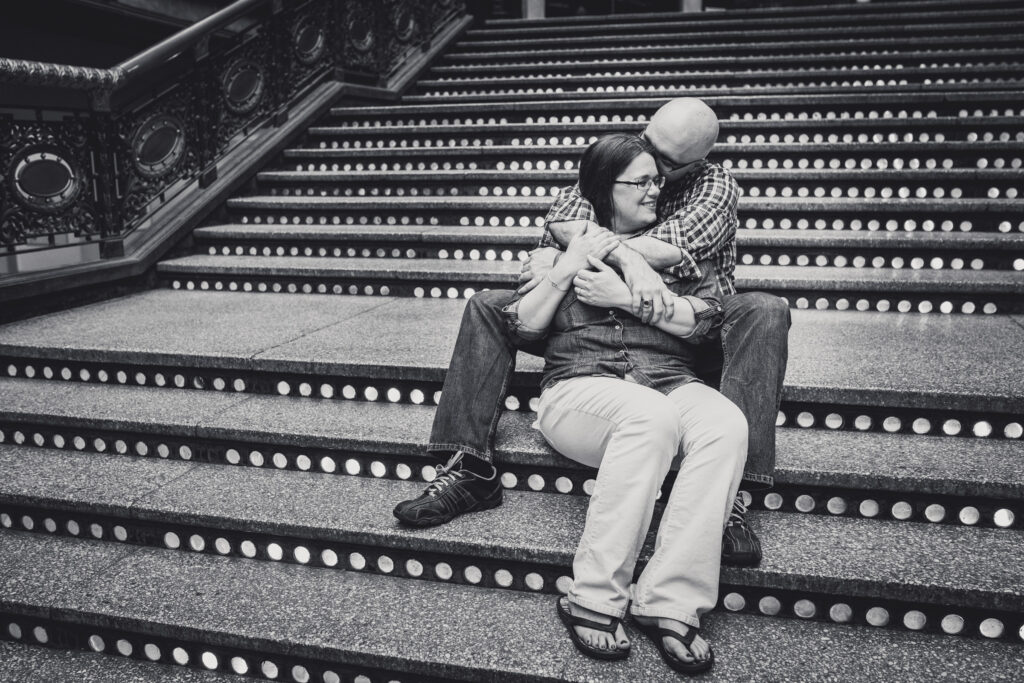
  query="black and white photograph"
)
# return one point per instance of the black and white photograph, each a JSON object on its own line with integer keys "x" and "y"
{"x": 512, "y": 341}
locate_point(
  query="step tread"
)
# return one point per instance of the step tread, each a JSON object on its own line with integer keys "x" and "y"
{"x": 935, "y": 564}
{"x": 835, "y": 356}
{"x": 568, "y": 176}
{"x": 835, "y": 205}
{"x": 20, "y": 662}
{"x": 393, "y": 624}
{"x": 900, "y": 463}
{"x": 388, "y": 234}
{"x": 507, "y": 272}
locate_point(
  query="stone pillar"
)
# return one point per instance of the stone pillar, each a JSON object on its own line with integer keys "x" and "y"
{"x": 533, "y": 9}
{"x": 691, "y": 5}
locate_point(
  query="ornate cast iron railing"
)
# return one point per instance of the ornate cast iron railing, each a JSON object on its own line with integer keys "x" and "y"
{"x": 88, "y": 155}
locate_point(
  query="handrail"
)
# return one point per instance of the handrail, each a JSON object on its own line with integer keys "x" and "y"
{"x": 134, "y": 67}
{"x": 130, "y": 70}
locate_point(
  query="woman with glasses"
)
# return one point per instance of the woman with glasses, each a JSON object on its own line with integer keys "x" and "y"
{"x": 623, "y": 396}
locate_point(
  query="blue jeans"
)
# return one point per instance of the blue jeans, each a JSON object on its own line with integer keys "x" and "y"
{"x": 748, "y": 368}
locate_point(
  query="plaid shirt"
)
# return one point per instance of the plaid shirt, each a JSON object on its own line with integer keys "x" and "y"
{"x": 697, "y": 213}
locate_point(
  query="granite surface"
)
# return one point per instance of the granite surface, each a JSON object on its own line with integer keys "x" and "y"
{"x": 942, "y": 564}
{"x": 24, "y": 663}
{"x": 901, "y": 463}
{"x": 489, "y": 635}
{"x": 175, "y": 327}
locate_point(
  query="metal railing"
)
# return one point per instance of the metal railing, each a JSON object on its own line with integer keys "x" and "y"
{"x": 88, "y": 155}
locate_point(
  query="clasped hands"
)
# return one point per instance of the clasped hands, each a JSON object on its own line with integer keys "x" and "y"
{"x": 640, "y": 290}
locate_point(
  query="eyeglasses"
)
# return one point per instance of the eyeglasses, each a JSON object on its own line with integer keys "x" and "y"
{"x": 644, "y": 185}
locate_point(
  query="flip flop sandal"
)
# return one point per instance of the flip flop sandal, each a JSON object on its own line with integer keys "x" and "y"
{"x": 657, "y": 634}
{"x": 571, "y": 620}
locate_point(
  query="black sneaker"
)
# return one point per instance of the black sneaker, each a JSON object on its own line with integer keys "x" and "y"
{"x": 455, "y": 491}
{"x": 740, "y": 547}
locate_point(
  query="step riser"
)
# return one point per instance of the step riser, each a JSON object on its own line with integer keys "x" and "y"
{"x": 736, "y": 594}
{"x": 968, "y": 73}
{"x": 940, "y": 186}
{"x": 964, "y": 88}
{"x": 265, "y": 660}
{"x": 1000, "y": 508}
{"x": 421, "y": 386}
{"x": 992, "y": 258}
{"x": 947, "y": 156}
{"x": 837, "y": 58}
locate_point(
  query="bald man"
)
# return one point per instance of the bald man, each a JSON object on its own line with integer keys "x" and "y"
{"x": 694, "y": 242}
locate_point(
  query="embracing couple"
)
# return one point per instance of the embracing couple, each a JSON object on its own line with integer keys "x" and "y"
{"x": 630, "y": 300}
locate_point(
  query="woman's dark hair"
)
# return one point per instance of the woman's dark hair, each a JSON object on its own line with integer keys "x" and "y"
{"x": 601, "y": 164}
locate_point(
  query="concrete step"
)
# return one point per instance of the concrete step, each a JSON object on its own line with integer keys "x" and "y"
{"x": 217, "y": 609}
{"x": 817, "y": 9}
{"x": 845, "y": 37}
{"x": 923, "y": 129}
{"x": 849, "y": 363}
{"x": 712, "y": 23}
{"x": 216, "y": 510}
{"x": 841, "y": 59}
{"x": 951, "y": 72}
{"x": 850, "y": 182}
{"x": 905, "y": 477}
{"x": 865, "y": 47}
{"x": 466, "y": 154}
{"x": 757, "y": 106}
{"x": 963, "y": 87}
{"x": 934, "y": 250}
{"x": 45, "y": 662}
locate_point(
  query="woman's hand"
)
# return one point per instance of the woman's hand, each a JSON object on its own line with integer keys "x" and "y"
{"x": 601, "y": 287}
{"x": 594, "y": 241}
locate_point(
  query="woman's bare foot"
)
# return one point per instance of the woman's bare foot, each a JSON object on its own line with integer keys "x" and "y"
{"x": 699, "y": 650}
{"x": 593, "y": 637}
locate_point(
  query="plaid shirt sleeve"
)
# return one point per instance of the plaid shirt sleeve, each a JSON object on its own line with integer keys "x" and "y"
{"x": 569, "y": 205}
{"x": 704, "y": 223}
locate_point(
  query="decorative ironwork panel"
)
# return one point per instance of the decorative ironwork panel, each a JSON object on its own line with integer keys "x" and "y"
{"x": 440, "y": 12}
{"x": 155, "y": 147}
{"x": 243, "y": 82}
{"x": 47, "y": 181}
{"x": 380, "y": 36}
{"x": 306, "y": 51}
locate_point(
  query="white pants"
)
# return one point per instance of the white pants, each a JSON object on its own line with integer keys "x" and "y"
{"x": 632, "y": 433}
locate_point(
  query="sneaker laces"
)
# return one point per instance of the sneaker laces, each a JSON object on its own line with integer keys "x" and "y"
{"x": 738, "y": 513}
{"x": 446, "y": 475}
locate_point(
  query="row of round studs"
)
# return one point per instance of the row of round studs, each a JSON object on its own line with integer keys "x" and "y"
{"x": 187, "y": 654}
{"x": 473, "y": 254}
{"x": 729, "y": 71}
{"x": 453, "y": 569}
{"x": 892, "y": 424}
{"x": 828, "y": 115}
{"x": 840, "y": 303}
{"x": 877, "y": 616}
{"x": 767, "y": 223}
{"x": 883, "y": 305}
{"x": 141, "y": 378}
{"x": 870, "y": 508}
{"x": 787, "y": 190}
{"x": 901, "y": 510}
{"x": 370, "y": 252}
{"x": 680, "y": 89}
{"x": 865, "y": 164}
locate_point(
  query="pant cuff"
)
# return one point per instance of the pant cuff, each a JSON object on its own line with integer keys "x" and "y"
{"x": 452, "y": 447}
{"x": 600, "y": 607}
{"x": 687, "y": 618}
{"x": 756, "y": 481}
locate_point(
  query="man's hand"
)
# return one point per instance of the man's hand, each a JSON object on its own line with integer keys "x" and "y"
{"x": 602, "y": 286}
{"x": 651, "y": 298}
{"x": 537, "y": 264}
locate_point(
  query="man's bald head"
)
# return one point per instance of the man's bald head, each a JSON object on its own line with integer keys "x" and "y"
{"x": 683, "y": 130}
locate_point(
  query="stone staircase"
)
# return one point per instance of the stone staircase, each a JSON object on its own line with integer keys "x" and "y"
{"x": 198, "y": 479}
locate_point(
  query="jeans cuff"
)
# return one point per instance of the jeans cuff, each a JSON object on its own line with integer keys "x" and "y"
{"x": 600, "y": 607}
{"x": 452, "y": 447}
{"x": 756, "y": 481}
{"x": 689, "y": 619}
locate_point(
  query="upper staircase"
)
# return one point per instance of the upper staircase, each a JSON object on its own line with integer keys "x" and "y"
{"x": 201, "y": 476}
